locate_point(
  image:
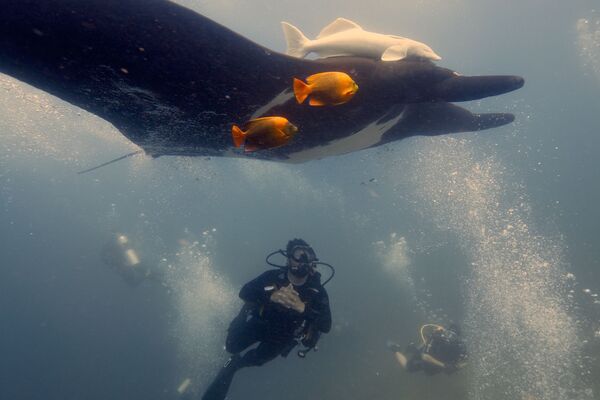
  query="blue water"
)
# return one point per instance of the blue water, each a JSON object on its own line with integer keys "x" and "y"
{"x": 496, "y": 230}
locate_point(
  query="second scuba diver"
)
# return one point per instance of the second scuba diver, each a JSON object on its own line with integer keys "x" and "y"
{"x": 122, "y": 257}
{"x": 283, "y": 308}
{"x": 441, "y": 349}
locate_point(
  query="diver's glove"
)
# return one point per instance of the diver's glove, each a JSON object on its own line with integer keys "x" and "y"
{"x": 289, "y": 298}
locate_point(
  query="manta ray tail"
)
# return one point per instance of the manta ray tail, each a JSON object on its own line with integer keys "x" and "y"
{"x": 296, "y": 41}
{"x": 110, "y": 162}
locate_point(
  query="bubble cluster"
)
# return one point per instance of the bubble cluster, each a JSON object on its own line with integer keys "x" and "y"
{"x": 35, "y": 125}
{"x": 588, "y": 41}
{"x": 205, "y": 302}
{"x": 395, "y": 259}
{"x": 520, "y": 326}
{"x": 588, "y": 303}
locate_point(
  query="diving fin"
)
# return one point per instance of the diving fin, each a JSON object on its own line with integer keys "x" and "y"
{"x": 220, "y": 386}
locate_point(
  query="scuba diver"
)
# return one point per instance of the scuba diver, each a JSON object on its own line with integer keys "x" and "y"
{"x": 283, "y": 307}
{"x": 119, "y": 254}
{"x": 441, "y": 349}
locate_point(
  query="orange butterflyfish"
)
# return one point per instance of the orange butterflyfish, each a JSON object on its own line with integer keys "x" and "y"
{"x": 263, "y": 133}
{"x": 325, "y": 88}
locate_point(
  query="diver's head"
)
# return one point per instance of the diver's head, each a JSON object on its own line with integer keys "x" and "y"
{"x": 300, "y": 258}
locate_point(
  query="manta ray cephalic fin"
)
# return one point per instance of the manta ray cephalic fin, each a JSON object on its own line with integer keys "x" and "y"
{"x": 339, "y": 25}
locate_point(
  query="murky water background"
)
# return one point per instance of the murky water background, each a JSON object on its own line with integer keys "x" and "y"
{"x": 495, "y": 230}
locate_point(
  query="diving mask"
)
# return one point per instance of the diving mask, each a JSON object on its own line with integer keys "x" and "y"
{"x": 302, "y": 259}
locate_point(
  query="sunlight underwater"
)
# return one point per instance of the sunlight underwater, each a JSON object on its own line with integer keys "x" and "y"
{"x": 523, "y": 336}
{"x": 588, "y": 41}
{"x": 521, "y": 328}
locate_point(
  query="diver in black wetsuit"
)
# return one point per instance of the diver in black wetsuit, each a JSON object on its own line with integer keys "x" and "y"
{"x": 442, "y": 349}
{"x": 283, "y": 307}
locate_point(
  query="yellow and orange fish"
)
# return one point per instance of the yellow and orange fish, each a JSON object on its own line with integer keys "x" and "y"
{"x": 325, "y": 88}
{"x": 263, "y": 133}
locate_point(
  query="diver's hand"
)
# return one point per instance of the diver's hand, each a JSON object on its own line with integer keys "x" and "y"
{"x": 289, "y": 298}
{"x": 278, "y": 296}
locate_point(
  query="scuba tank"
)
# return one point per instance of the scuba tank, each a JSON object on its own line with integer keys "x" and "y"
{"x": 129, "y": 256}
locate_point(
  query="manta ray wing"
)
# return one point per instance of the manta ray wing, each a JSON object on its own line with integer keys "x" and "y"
{"x": 161, "y": 73}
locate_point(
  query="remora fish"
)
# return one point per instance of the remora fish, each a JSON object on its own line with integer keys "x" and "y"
{"x": 346, "y": 38}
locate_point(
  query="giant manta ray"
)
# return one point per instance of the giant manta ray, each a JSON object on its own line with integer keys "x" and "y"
{"x": 174, "y": 81}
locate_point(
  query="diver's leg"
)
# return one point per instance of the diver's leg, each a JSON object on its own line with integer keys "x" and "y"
{"x": 401, "y": 358}
{"x": 220, "y": 386}
{"x": 398, "y": 354}
{"x": 264, "y": 352}
{"x": 242, "y": 333}
{"x": 240, "y": 339}
{"x": 414, "y": 363}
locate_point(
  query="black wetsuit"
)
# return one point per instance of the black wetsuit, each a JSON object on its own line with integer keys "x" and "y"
{"x": 273, "y": 326}
{"x": 445, "y": 346}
